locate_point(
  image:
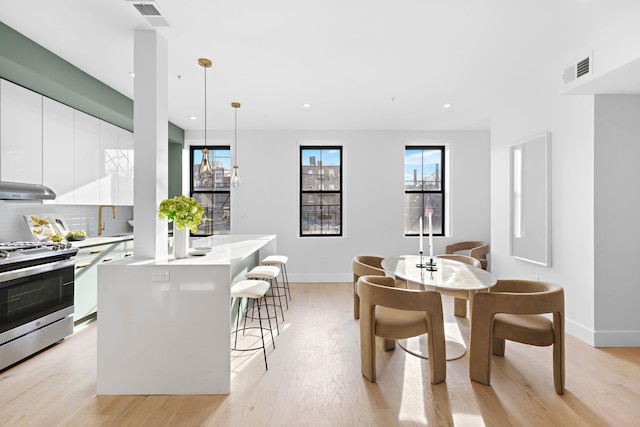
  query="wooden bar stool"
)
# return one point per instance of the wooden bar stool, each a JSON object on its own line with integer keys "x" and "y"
{"x": 254, "y": 290}
{"x": 268, "y": 273}
{"x": 281, "y": 262}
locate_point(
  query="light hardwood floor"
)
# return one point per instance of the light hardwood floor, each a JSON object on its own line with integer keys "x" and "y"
{"x": 314, "y": 380}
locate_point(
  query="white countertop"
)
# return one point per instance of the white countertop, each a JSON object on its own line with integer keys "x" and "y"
{"x": 225, "y": 250}
{"x": 101, "y": 240}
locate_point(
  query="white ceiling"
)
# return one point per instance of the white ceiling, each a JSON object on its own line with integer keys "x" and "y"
{"x": 361, "y": 64}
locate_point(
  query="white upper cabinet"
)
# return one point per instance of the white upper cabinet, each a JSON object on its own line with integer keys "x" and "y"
{"x": 108, "y": 158}
{"x": 57, "y": 150}
{"x": 125, "y": 167}
{"x": 20, "y": 134}
{"x": 84, "y": 160}
{"x": 86, "y": 145}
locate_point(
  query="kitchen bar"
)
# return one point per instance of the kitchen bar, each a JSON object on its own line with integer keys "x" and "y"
{"x": 165, "y": 324}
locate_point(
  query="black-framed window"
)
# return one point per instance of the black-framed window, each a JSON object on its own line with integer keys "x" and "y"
{"x": 424, "y": 188}
{"x": 214, "y": 194}
{"x": 320, "y": 191}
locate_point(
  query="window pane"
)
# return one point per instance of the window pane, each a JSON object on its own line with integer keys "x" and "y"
{"x": 321, "y": 214}
{"x": 321, "y": 169}
{"x": 217, "y": 213}
{"x": 415, "y": 205}
{"x": 220, "y": 160}
{"x": 423, "y": 169}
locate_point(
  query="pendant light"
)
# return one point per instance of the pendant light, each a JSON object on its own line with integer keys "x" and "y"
{"x": 205, "y": 171}
{"x": 235, "y": 178}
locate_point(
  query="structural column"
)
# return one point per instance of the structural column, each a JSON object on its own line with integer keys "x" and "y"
{"x": 151, "y": 136}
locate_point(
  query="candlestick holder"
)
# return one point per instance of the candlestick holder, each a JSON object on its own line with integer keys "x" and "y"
{"x": 421, "y": 264}
{"x": 431, "y": 266}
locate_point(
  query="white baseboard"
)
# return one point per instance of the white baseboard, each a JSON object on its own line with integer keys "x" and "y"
{"x": 321, "y": 278}
{"x": 617, "y": 339}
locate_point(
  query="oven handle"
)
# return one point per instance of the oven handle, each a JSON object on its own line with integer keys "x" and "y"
{"x": 36, "y": 269}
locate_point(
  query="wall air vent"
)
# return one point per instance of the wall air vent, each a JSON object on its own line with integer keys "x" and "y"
{"x": 579, "y": 69}
{"x": 151, "y": 13}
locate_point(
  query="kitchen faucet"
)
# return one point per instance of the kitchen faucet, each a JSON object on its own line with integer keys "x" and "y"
{"x": 101, "y": 226}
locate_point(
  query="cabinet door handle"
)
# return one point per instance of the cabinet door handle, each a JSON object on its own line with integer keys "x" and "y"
{"x": 78, "y": 266}
{"x": 128, "y": 254}
{"x": 96, "y": 251}
{"x": 107, "y": 259}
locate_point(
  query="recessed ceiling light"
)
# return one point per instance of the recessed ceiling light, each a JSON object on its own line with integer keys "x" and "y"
{"x": 306, "y": 105}
{"x": 193, "y": 117}
{"x": 446, "y": 105}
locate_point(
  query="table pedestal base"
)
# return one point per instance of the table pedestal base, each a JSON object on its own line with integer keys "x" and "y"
{"x": 454, "y": 344}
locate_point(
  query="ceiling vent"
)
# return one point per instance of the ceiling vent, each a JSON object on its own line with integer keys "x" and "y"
{"x": 581, "y": 68}
{"x": 150, "y": 12}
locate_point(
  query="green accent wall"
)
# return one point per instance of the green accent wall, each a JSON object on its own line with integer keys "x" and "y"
{"x": 30, "y": 65}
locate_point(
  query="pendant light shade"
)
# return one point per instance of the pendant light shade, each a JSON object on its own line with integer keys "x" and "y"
{"x": 235, "y": 177}
{"x": 205, "y": 172}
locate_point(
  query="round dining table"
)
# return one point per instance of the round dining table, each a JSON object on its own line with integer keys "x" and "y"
{"x": 449, "y": 277}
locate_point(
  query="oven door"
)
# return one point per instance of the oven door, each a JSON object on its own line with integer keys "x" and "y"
{"x": 38, "y": 292}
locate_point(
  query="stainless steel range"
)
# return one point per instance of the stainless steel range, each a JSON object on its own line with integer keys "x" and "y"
{"x": 36, "y": 297}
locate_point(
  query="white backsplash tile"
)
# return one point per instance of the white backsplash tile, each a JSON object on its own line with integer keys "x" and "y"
{"x": 78, "y": 217}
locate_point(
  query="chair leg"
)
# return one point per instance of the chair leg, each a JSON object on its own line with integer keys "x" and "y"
{"x": 367, "y": 351}
{"x": 460, "y": 307}
{"x": 264, "y": 349}
{"x": 275, "y": 286}
{"x": 285, "y": 277}
{"x": 389, "y": 345}
{"x": 356, "y": 299}
{"x": 498, "y": 346}
{"x": 558, "y": 368}
{"x": 480, "y": 352}
{"x": 238, "y": 322}
{"x": 266, "y": 305}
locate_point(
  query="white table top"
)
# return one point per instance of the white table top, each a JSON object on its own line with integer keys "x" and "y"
{"x": 450, "y": 274}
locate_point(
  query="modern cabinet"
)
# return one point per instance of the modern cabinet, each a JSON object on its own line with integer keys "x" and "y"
{"x": 57, "y": 150}
{"x": 86, "y": 273}
{"x": 86, "y": 165}
{"x": 108, "y": 154}
{"x": 125, "y": 167}
{"x": 84, "y": 160}
{"x": 20, "y": 134}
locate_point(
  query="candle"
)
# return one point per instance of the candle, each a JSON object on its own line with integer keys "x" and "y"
{"x": 429, "y": 213}
{"x": 420, "y": 234}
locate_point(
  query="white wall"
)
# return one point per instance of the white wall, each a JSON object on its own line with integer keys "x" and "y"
{"x": 268, "y": 199}
{"x": 617, "y": 223}
{"x": 534, "y": 104}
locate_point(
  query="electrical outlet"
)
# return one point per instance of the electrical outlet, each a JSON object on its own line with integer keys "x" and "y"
{"x": 159, "y": 275}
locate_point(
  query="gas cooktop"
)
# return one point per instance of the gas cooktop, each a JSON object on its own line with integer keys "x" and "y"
{"x": 22, "y": 254}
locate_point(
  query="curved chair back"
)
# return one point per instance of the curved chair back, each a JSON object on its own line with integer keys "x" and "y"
{"x": 513, "y": 310}
{"x": 396, "y": 313}
{"x": 477, "y": 250}
{"x": 364, "y": 265}
{"x": 460, "y": 302}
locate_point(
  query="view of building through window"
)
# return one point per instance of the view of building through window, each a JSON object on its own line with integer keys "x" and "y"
{"x": 423, "y": 188}
{"x": 214, "y": 194}
{"x": 320, "y": 191}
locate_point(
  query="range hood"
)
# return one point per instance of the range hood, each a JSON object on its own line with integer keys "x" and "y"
{"x": 22, "y": 191}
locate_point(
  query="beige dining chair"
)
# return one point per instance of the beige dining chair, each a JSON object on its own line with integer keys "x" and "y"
{"x": 460, "y": 297}
{"x": 398, "y": 313}
{"x": 476, "y": 249}
{"x": 364, "y": 265}
{"x": 514, "y": 310}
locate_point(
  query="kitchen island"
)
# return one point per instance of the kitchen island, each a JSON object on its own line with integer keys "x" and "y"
{"x": 164, "y": 325}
